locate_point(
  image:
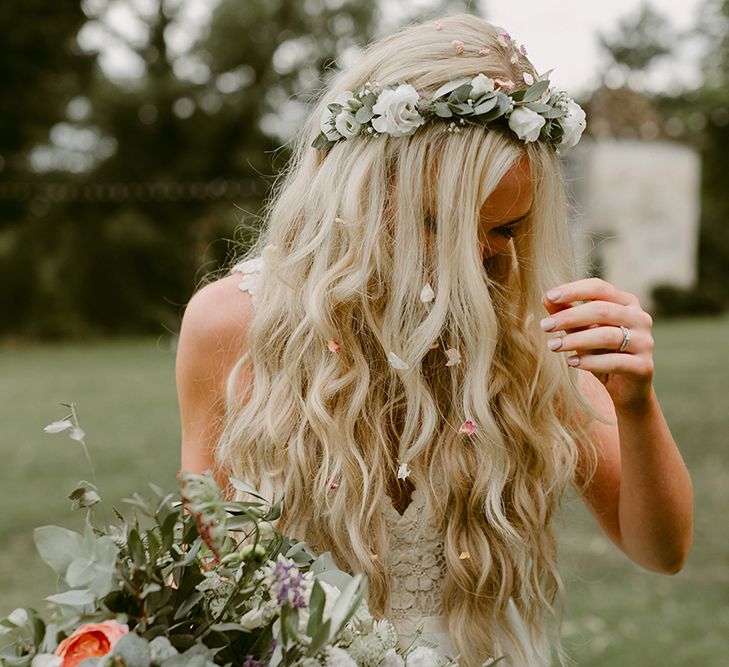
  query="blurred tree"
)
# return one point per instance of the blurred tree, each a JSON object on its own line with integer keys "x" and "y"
{"x": 159, "y": 156}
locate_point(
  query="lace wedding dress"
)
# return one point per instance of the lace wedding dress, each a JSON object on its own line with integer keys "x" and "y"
{"x": 416, "y": 554}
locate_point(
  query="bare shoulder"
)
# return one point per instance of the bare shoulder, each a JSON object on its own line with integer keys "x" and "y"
{"x": 212, "y": 341}
{"x": 214, "y": 328}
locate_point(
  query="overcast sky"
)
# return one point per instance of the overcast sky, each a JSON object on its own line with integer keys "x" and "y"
{"x": 562, "y": 34}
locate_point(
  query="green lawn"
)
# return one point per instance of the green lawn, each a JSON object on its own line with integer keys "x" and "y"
{"x": 617, "y": 613}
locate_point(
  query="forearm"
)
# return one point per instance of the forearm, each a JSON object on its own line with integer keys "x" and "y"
{"x": 656, "y": 499}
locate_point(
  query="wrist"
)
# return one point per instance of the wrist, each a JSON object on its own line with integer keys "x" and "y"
{"x": 638, "y": 405}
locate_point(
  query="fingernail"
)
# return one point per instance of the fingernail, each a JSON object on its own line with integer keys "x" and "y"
{"x": 554, "y": 295}
{"x": 554, "y": 343}
{"x": 548, "y": 323}
{"x": 573, "y": 361}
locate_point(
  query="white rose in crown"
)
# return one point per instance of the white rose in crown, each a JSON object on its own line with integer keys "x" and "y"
{"x": 347, "y": 125}
{"x": 328, "y": 123}
{"x": 481, "y": 85}
{"x": 573, "y": 125}
{"x": 396, "y": 112}
{"x": 526, "y": 124}
{"x": 422, "y": 656}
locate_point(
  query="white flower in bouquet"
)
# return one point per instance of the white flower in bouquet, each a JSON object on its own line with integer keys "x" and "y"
{"x": 392, "y": 659}
{"x": 337, "y": 657}
{"x": 396, "y": 111}
{"x": 527, "y": 124}
{"x": 423, "y": 656}
{"x": 18, "y": 616}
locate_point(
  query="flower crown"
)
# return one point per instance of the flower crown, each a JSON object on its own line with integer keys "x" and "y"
{"x": 534, "y": 113}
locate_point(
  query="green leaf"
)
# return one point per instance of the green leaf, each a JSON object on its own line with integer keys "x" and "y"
{"x": 136, "y": 548}
{"x": 335, "y": 108}
{"x": 535, "y": 91}
{"x": 317, "y": 601}
{"x": 239, "y": 484}
{"x": 364, "y": 115}
{"x": 58, "y": 547}
{"x": 321, "y": 142}
{"x": 73, "y": 598}
{"x": 451, "y": 86}
{"x": 487, "y": 104}
{"x": 460, "y": 94}
{"x": 553, "y": 113}
{"x": 320, "y": 639}
{"x": 463, "y": 109}
{"x": 187, "y": 605}
{"x": 443, "y": 110}
{"x": 538, "y": 108}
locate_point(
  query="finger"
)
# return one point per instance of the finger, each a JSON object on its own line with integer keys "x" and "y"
{"x": 593, "y": 312}
{"x": 598, "y": 339}
{"x": 590, "y": 289}
{"x": 640, "y": 365}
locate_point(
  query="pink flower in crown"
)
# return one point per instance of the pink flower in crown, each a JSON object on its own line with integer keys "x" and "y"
{"x": 332, "y": 484}
{"x": 508, "y": 84}
{"x": 458, "y": 46}
{"x": 507, "y": 36}
{"x": 468, "y": 427}
{"x": 523, "y": 50}
{"x": 333, "y": 345}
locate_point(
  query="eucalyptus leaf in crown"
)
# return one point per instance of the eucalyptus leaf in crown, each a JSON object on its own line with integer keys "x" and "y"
{"x": 536, "y": 113}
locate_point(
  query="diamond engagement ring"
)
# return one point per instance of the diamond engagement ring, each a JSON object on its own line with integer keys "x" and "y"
{"x": 626, "y": 338}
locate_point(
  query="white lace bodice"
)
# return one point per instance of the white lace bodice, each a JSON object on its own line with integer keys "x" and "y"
{"x": 416, "y": 555}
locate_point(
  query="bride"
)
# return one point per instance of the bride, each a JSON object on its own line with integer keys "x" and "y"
{"x": 406, "y": 360}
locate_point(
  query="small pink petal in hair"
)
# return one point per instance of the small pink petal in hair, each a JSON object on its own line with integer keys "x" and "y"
{"x": 438, "y": 26}
{"x": 332, "y": 484}
{"x": 505, "y": 83}
{"x": 522, "y": 50}
{"x": 458, "y": 46}
{"x": 333, "y": 345}
{"x": 484, "y": 51}
{"x": 468, "y": 427}
{"x": 507, "y": 36}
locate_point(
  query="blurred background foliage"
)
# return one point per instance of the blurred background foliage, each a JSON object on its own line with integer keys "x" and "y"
{"x": 119, "y": 192}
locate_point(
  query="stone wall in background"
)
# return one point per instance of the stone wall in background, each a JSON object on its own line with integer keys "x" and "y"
{"x": 636, "y": 212}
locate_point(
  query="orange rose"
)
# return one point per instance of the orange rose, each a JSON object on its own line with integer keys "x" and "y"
{"x": 92, "y": 640}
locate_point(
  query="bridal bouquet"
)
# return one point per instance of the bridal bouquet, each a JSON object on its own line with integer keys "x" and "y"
{"x": 192, "y": 580}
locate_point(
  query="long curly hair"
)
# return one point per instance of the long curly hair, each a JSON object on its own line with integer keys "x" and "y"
{"x": 359, "y": 230}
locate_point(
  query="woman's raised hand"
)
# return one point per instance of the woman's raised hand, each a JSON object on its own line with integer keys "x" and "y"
{"x": 610, "y": 334}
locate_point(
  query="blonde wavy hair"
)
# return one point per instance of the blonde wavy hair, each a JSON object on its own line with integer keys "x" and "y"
{"x": 359, "y": 230}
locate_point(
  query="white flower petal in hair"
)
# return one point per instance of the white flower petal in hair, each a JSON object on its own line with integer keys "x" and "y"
{"x": 454, "y": 357}
{"x": 270, "y": 253}
{"x": 427, "y": 294}
{"x": 396, "y": 362}
{"x": 396, "y": 111}
{"x": 403, "y": 471}
{"x": 526, "y": 124}
{"x": 528, "y": 79}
